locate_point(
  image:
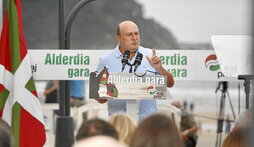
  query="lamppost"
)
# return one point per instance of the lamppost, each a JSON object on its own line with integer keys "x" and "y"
{"x": 64, "y": 128}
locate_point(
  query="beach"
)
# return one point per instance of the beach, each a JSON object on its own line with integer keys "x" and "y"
{"x": 201, "y": 94}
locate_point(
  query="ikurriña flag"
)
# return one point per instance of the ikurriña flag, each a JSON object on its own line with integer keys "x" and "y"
{"x": 19, "y": 104}
{"x": 112, "y": 90}
{"x": 103, "y": 76}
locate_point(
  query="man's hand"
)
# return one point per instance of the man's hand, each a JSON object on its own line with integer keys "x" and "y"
{"x": 155, "y": 61}
{"x": 184, "y": 136}
{"x": 101, "y": 100}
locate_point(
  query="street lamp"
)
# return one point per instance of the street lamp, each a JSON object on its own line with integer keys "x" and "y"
{"x": 64, "y": 128}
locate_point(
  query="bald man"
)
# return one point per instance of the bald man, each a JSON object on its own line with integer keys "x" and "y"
{"x": 99, "y": 141}
{"x": 128, "y": 38}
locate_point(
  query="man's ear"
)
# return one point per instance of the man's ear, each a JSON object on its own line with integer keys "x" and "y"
{"x": 117, "y": 37}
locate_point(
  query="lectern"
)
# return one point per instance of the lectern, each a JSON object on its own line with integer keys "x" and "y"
{"x": 129, "y": 87}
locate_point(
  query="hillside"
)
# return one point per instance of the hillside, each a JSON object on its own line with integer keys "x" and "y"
{"x": 94, "y": 26}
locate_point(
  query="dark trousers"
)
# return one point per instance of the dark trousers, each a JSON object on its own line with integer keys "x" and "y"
{"x": 190, "y": 142}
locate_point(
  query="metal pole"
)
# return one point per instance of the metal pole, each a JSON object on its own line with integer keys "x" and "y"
{"x": 70, "y": 19}
{"x": 247, "y": 79}
{"x": 4, "y": 6}
{"x": 251, "y": 135}
{"x": 249, "y": 132}
{"x": 62, "y": 84}
{"x": 65, "y": 127}
{"x": 67, "y": 45}
{"x": 247, "y": 92}
{"x": 221, "y": 113}
{"x": 220, "y": 120}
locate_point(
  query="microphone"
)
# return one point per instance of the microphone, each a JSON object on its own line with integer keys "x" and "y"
{"x": 137, "y": 61}
{"x": 126, "y": 56}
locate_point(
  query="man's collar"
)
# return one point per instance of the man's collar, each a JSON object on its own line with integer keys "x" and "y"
{"x": 117, "y": 51}
{"x": 119, "y": 54}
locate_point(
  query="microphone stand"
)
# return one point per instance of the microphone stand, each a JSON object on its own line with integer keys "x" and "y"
{"x": 132, "y": 106}
{"x": 128, "y": 63}
{"x": 130, "y": 71}
{"x": 221, "y": 112}
{"x": 249, "y": 133}
{"x": 246, "y": 79}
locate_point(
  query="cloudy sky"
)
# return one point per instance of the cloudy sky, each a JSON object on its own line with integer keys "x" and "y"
{"x": 194, "y": 21}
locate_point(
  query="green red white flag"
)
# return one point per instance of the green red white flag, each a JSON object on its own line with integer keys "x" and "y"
{"x": 103, "y": 76}
{"x": 103, "y": 79}
{"x": 19, "y": 104}
{"x": 112, "y": 90}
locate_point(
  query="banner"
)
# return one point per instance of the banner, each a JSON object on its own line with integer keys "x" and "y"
{"x": 186, "y": 65}
{"x": 126, "y": 86}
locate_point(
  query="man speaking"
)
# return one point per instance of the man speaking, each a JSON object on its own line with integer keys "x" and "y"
{"x": 127, "y": 51}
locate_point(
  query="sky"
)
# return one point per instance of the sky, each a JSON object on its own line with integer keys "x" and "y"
{"x": 194, "y": 21}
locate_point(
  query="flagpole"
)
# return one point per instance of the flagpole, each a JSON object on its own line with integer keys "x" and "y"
{"x": 64, "y": 130}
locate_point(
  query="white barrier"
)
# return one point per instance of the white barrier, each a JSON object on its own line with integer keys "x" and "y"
{"x": 187, "y": 65}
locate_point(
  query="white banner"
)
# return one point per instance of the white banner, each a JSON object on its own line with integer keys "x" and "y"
{"x": 190, "y": 65}
{"x": 127, "y": 86}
